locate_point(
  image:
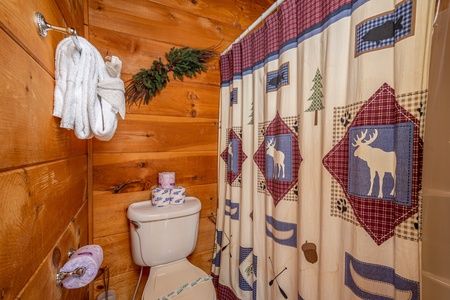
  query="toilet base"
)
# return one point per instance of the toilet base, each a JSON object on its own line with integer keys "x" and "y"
{"x": 180, "y": 277}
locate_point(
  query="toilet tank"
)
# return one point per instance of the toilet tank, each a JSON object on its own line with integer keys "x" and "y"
{"x": 161, "y": 235}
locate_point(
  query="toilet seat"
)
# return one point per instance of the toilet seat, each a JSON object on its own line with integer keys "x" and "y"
{"x": 171, "y": 277}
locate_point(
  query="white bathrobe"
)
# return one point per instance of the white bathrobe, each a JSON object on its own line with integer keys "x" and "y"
{"x": 89, "y": 92}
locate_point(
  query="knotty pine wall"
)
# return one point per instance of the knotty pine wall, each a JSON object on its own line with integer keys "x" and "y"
{"x": 43, "y": 169}
{"x": 176, "y": 132}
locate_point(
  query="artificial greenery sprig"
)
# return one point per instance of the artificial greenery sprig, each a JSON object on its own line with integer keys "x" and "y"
{"x": 144, "y": 85}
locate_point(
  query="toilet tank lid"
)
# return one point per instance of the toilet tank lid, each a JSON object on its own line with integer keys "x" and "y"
{"x": 144, "y": 211}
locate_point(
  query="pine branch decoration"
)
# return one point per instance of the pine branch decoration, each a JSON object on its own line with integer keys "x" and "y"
{"x": 144, "y": 85}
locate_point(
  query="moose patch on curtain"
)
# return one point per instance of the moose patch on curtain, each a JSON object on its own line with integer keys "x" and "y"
{"x": 322, "y": 118}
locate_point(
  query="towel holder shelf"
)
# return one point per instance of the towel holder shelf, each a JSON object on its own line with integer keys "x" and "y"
{"x": 43, "y": 27}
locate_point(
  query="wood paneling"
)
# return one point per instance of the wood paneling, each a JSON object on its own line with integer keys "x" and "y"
{"x": 43, "y": 168}
{"x": 160, "y": 23}
{"x": 73, "y": 13}
{"x": 124, "y": 284}
{"x": 183, "y": 99}
{"x": 43, "y": 285}
{"x": 139, "y": 52}
{"x": 27, "y": 107}
{"x": 31, "y": 197}
{"x": 238, "y": 13}
{"x": 139, "y": 171}
{"x": 17, "y": 19}
{"x": 143, "y": 133}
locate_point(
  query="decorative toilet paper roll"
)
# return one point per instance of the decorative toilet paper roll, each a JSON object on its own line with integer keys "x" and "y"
{"x": 90, "y": 258}
{"x": 178, "y": 194}
{"x": 166, "y": 180}
{"x": 160, "y": 197}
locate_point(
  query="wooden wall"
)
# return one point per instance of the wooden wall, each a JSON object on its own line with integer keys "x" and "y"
{"x": 43, "y": 169}
{"x": 176, "y": 132}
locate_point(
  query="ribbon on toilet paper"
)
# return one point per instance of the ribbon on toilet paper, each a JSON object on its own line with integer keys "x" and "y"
{"x": 184, "y": 287}
{"x": 178, "y": 194}
{"x": 166, "y": 180}
{"x": 89, "y": 258}
{"x": 160, "y": 197}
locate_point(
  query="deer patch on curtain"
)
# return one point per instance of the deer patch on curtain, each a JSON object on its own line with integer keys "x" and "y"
{"x": 380, "y": 162}
{"x": 278, "y": 158}
{"x": 384, "y": 31}
{"x": 278, "y": 78}
{"x": 385, "y": 207}
{"x": 233, "y": 156}
{"x": 372, "y": 281}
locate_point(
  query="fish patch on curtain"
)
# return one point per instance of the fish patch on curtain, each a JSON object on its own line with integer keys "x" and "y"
{"x": 233, "y": 156}
{"x": 278, "y": 78}
{"x": 372, "y": 281}
{"x": 278, "y": 158}
{"x": 233, "y": 97}
{"x": 383, "y": 194}
{"x": 384, "y": 31}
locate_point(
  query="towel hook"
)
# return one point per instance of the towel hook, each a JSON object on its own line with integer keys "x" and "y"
{"x": 43, "y": 27}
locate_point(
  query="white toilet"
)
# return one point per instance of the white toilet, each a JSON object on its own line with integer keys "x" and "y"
{"x": 162, "y": 238}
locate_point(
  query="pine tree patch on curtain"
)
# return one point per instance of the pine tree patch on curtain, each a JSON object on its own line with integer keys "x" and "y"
{"x": 278, "y": 158}
{"x": 233, "y": 156}
{"x": 378, "y": 213}
{"x": 316, "y": 97}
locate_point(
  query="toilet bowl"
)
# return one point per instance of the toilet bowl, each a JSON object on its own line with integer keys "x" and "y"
{"x": 162, "y": 238}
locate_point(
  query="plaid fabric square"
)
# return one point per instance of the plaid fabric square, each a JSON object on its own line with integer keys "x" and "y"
{"x": 225, "y": 293}
{"x": 384, "y": 31}
{"x": 286, "y": 156}
{"x": 233, "y": 156}
{"x": 378, "y": 217}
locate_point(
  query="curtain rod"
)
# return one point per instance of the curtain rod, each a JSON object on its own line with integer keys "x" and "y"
{"x": 256, "y": 23}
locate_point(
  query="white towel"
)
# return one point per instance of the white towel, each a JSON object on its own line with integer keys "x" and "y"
{"x": 78, "y": 102}
{"x": 112, "y": 89}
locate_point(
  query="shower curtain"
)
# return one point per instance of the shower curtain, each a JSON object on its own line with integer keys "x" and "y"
{"x": 320, "y": 153}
